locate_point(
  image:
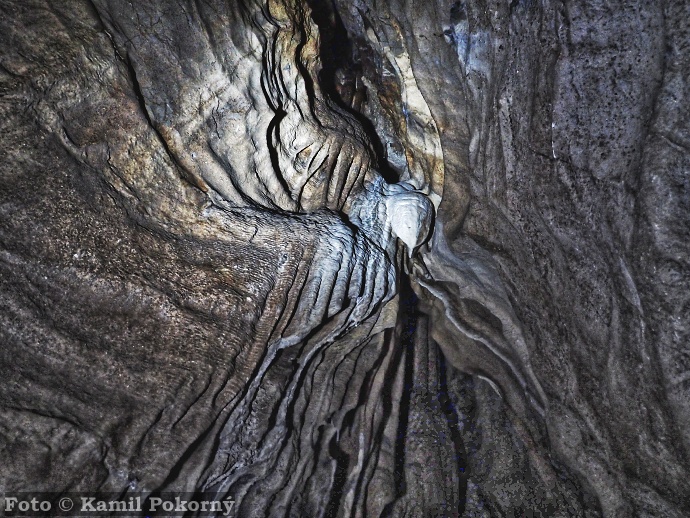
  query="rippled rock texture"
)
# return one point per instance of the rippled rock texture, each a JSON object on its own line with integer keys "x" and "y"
{"x": 351, "y": 258}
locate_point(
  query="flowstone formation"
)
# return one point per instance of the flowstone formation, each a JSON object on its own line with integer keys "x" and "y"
{"x": 348, "y": 258}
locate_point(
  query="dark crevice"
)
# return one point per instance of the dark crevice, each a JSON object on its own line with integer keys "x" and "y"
{"x": 181, "y": 464}
{"x": 335, "y": 48}
{"x": 451, "y": 414}
{"x": 388, "y": 408}
{"x": 458, "y": 12}
{"x": 342, "y": 463}
{"x": 341, "y": 73}
{"x": 137, "y": 90}
{"x": 349, "y": 421}
{"x": 409, "y": 344}
{"x": 273, "y": 147}
{"x": 408, "y": 308}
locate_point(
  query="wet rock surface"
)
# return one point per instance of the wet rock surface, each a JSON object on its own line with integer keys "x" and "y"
{"x": 207, "y": 285}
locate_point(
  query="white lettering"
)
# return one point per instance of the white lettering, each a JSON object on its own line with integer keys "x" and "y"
{"x": 87, "y": 504}
{"x": 154, "y": 502}
{"x": 180, "y": 505}
{"x": 228, "y": 506}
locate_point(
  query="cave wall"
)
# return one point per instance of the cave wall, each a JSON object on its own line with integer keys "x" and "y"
{"x": 201, "y": 288}
{"x": 562, "y": 124}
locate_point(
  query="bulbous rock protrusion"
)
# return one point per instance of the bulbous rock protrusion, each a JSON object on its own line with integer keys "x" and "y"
{"x": 410, "y": 215}
{"x": 397, "y": 210}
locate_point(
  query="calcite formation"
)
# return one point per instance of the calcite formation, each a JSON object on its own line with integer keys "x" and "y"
{"x": 348, "y": 258}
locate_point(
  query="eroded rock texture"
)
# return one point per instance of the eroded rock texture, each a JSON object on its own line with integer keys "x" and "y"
{"x": 348, "y": 258}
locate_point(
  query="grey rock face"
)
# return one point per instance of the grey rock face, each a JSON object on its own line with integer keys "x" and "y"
{"x": 348, "y": 258}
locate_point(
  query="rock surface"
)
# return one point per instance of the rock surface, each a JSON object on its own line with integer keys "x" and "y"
{"x": 349, "y": 258}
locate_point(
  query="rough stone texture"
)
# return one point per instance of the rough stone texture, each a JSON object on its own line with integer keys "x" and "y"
{"x": 206, "y": 284}
{"x": 567, "y": 125}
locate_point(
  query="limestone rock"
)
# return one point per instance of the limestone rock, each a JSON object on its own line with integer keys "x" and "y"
{"x": 348, "y": 258}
